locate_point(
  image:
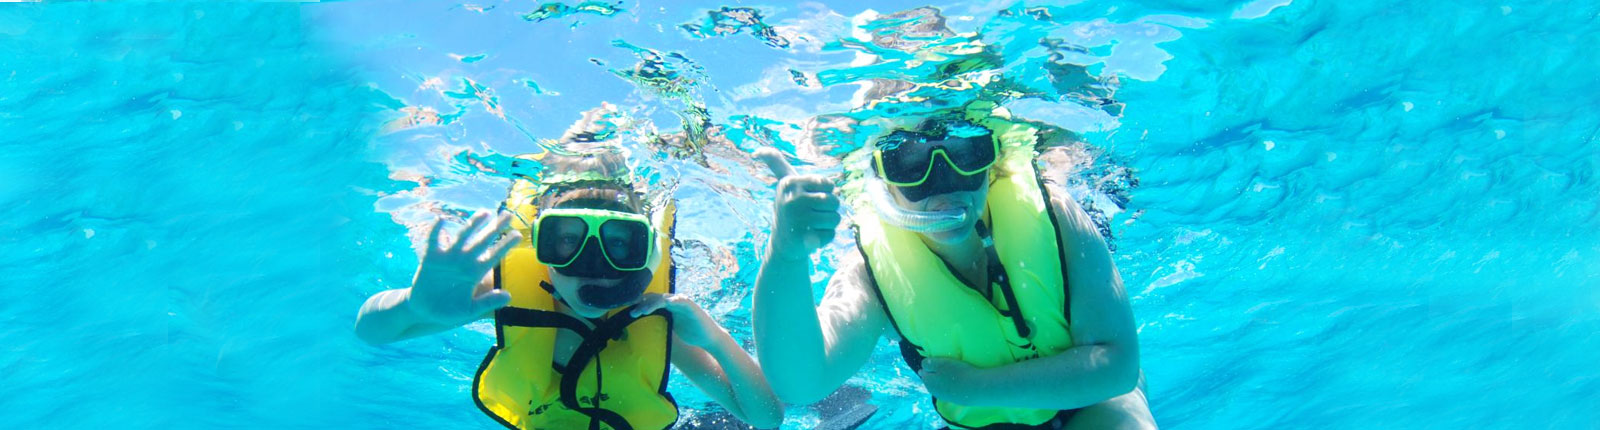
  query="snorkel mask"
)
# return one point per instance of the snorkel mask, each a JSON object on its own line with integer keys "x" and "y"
{"x": 953, "y": 155}
{"x": 598, "y": 244}
{"x": 597, "y": 238}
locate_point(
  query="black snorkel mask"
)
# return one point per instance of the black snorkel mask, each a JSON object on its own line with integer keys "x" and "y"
{"x": 599, "y": 244}
{"x": 629, "y": 286}
{"x": 625, "y": 292}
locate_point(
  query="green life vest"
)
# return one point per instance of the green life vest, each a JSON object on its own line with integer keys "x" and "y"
{"x": 937, "y": 315}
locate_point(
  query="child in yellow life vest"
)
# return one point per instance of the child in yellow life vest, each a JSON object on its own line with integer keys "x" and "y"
{"x": 1004, "y": 297}
{"x": 580, "y": 285}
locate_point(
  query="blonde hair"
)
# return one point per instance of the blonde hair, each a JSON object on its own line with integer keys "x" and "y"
{"x": 589, "y": 171}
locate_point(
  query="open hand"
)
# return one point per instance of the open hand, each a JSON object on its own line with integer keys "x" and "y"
{"x": 805, "y": 210}
{"x": 442, "y": 291}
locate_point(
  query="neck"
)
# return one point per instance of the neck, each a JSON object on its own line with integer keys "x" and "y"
{"x": 966, "y": 255}
{"x": 563, "y": 307}
{"x": 966, "y": 249}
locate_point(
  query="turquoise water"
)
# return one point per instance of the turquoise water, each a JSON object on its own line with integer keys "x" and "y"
{"x": 1326, "y": 215}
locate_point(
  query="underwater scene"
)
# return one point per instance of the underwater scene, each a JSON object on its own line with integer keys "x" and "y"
{"x": 1282, "y": 214}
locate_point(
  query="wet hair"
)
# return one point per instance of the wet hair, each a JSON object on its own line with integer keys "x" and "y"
{"x": 590, "y": 175}
{"x": 592, "y": 195}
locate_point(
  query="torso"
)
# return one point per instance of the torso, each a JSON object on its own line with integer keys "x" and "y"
{"x": 973, "y": 251}
{"x": 968, "y": 263}
{"x": 567, "y": 341}
{"x": 971, "y": 274}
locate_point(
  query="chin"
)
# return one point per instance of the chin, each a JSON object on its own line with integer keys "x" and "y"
{"x": 952, "y": 236}
{"x": 590, "y": 313}
{"x": 586, "y": 311}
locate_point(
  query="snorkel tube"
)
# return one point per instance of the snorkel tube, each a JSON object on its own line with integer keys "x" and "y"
{"x": 911, "y": 220}
{"x": 627, "y": 290}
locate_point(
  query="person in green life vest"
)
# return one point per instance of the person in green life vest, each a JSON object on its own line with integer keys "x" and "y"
{"x": 1002, "y": 294}
{"x": 576, "y": 271}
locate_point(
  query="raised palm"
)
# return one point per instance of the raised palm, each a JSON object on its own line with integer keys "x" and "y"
{"x": 443, "y": 290}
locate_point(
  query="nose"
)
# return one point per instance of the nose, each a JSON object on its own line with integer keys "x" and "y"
{"x": 590, "y": 263}
{"x": 942, "y": 179}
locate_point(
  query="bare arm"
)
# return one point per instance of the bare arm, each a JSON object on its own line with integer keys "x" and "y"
{"x": 1104, "y": 361}
{"x": 451, "y": 288}
{"x": 811, "y": 351}
{"x": 386, "y": 318}
{"x": 708, "y": 355}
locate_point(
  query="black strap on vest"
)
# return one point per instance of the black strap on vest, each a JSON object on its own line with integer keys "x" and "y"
{"x": 604, "y": 332}
{"x": 1061, "y": 244}
{"x": 997, "y": 276}
{"x": 1057, "y": 422}
{"x": 520, "y": 317}
{"x": 594, "y": 340}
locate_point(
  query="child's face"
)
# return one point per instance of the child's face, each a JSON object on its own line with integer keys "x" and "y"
{"x": 592, "y": 297}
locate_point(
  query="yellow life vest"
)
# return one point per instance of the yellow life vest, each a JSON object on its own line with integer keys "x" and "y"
{"x": 617, "y": 378}
{"x": 937, "y": 315}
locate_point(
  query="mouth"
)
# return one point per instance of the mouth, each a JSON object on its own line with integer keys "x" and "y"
{"x": 918, "y": 220}
{"x": 941, "y": 204}
{"x": 597, "y": 282}
{"x": 945, "y": 207}
{"x": 615, "y": 293}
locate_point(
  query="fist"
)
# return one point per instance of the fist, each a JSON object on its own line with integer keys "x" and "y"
{"x": 805, "y": 209}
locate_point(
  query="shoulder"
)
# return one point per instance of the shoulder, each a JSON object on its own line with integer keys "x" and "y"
{"x": 853, "y": 266}
{"x": 1100, "y": 311}
{"x": 1076, "y": 228}
{"x": 1086, "y": 255}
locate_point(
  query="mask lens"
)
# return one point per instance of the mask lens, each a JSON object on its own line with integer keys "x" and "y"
{"x": 560, "y": 238}
{"x": 970, "y": 154}
{"x": 903, "y": 157}
{"x": 942, "y": 179}
{"x": 627, "y": 243}
{"x": 590, "y": 263}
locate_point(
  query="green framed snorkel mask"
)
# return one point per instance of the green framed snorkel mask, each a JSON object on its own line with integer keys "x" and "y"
{"x": 912, "y": 160}
{"x": 943, "y": 155}
{"x": 599, "y": 244}
{"x": 594, "y": 243}
{"x": 606, "y": 239}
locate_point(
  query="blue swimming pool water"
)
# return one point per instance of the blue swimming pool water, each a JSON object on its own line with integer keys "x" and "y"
{"x": 1339, "y": 214}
